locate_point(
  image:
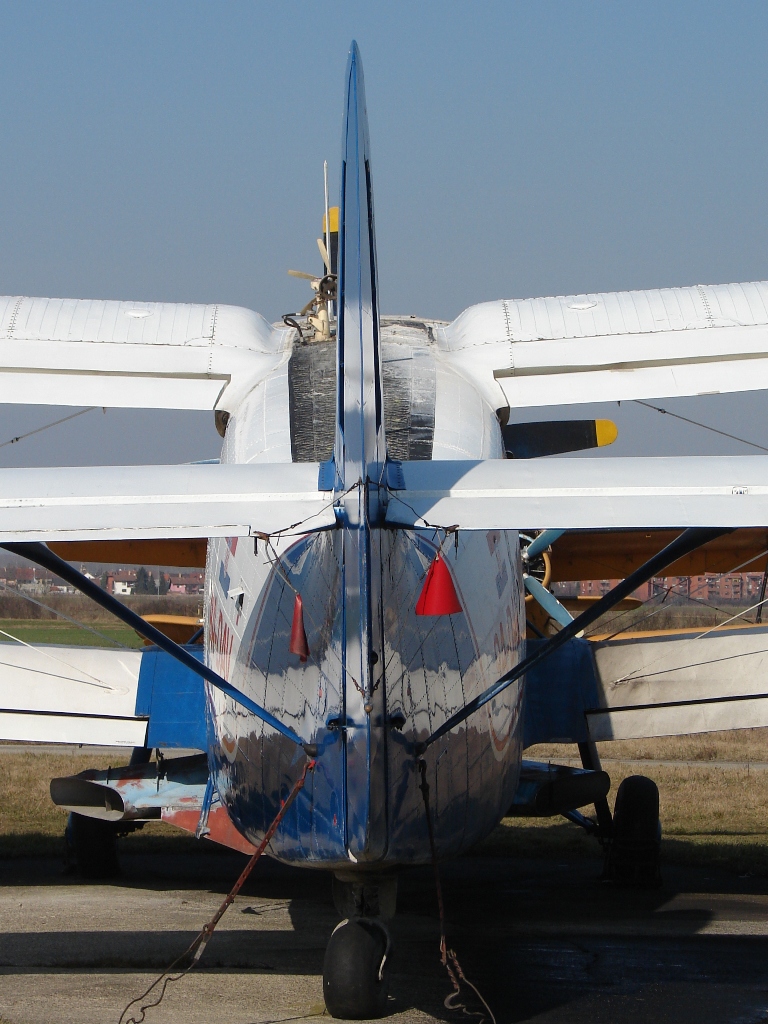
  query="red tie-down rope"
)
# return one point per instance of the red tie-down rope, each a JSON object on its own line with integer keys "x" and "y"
{"x": 197, "y": 947}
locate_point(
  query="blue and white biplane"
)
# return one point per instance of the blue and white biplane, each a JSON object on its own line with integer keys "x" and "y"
{"x": 380, "y": 538}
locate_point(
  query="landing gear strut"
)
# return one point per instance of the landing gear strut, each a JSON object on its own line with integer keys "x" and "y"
{"x": 357, "y": 958}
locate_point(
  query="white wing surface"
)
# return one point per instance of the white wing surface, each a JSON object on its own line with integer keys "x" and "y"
{"x": 621, "y": 493}
{"x": 158, "y": 355}
{"x": 133, "y": 502}
{"x": 667, "y": 685}
{"x": 59, "y": 694}
{"x": 613, "y": 346}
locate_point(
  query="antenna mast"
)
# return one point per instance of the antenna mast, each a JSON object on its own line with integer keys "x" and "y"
{"x": 327, "y": 233}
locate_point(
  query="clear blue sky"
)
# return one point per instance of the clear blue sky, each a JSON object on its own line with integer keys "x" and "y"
{"x": 174, "y": 151}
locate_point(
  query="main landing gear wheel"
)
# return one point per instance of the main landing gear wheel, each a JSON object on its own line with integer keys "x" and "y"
{"x": 94, "y": 846}
{"x": 634, "y": 850}
{"x": 356, "y": 969}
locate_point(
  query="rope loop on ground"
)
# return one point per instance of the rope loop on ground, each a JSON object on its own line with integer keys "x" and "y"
{"x": 449, "y": 960}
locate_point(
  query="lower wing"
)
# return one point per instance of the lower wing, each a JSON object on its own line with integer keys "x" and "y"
{"x": 641, "y": 686}
{"x": 56, "y": 694}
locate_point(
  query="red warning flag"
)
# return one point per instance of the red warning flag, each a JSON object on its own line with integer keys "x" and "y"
{"x": 298, "y": 644}
{"x": 438, "y": 595}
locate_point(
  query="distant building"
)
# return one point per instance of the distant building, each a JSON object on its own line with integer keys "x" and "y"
{"x": 188, "y": 583}
{"x": 122, "y": 582}
{"x": 729, "y": 588}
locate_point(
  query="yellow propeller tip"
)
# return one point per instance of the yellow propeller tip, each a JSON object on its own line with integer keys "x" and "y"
{"x": 606, "y": 432}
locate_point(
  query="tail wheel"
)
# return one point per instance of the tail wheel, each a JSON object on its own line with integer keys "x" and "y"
{"x": 356, "y": 969}
{"x": 93, "y": 843}
{"x": 635, "y": 846}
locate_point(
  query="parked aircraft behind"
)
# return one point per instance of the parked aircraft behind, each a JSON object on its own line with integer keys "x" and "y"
{"x": 379, "y": 539}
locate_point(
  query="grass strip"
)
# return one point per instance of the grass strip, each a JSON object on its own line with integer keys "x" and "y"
{"x": 709, "y": 815}
{"x": 46, "y": 631}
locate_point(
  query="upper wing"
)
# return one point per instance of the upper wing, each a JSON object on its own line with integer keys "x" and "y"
{"x": 158, "y": 355}
{"x": 133, "y": 502}
{"x": 611, "y": 346}
{"x": 573, "y": 494}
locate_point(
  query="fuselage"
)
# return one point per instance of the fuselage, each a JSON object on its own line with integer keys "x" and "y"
{"x": 363, "y": 805}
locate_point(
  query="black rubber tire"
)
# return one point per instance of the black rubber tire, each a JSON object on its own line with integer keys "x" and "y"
{"x": 635, "y": 847}
{"x": 356, "y": 970}
{"x": 93, "y": 844}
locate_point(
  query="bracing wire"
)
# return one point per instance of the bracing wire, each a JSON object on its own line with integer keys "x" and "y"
{"x": 704, "y": 426}
{"x": 47, "y": 426}
{"x": 91, "y": 681}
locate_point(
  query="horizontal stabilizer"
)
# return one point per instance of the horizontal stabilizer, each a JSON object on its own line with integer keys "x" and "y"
{"x": 583, "y": 494}
{"x": 134, "y": 502}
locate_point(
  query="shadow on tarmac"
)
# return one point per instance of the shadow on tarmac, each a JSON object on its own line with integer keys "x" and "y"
{"x": 543, "y": 939}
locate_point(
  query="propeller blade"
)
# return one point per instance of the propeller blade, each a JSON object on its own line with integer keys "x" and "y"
{"x": 556, "y": 437}
{"x": 324, "y": 255}
{"x": 544, "y": 540}
{"x": 548, "y": 601}
{"x": 305, "y": 277}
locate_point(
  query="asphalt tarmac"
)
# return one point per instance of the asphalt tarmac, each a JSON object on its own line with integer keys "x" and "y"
{"x": 544, "y": 940}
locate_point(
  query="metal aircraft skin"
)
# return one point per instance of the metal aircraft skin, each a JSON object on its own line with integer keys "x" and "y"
{"x": 379, "y": 677}
{"x": 352, "y": 466}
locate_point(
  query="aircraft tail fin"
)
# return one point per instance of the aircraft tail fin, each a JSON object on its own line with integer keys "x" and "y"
{"x": 360, "y": 440}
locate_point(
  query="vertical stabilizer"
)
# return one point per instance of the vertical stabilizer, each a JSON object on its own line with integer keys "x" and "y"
{"x": 360, "y": 456}
{"x": 360, "y": 439}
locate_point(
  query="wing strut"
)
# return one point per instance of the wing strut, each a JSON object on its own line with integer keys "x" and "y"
{"x": 688, "y": 541}
{"x": 44, "y": 557}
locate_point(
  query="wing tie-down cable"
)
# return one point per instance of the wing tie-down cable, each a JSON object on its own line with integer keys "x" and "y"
{"x": 43, "y": 556}
{"x": 689, "y": 540}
